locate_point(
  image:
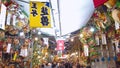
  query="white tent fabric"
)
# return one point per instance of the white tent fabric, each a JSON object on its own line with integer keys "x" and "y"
{"x": 74, "y": 14}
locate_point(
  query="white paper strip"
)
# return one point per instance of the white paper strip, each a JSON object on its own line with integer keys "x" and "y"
{"x": 97, "y": 40}
{"x": 21, "y": 52}
{"x": 45, "y": 41}
{"x": 117, "y": 25}
{"x": 8, "y": 48}
{"x": 104, "y": 39}
{"x": 2, "y": 17}
{"x": 8, "y": 18}
{"x": 25, "y": 52}
{"x": 14, "y": 20}
{"x": 86, "y": 52}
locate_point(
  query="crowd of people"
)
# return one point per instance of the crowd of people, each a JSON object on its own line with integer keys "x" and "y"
{"x": 65, "y": 64}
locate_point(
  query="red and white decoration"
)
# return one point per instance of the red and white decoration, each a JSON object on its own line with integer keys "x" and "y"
{"x": 60, "y": 45}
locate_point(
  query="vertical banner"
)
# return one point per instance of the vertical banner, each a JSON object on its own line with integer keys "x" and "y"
{"x": 2, "y": 16}
{"x": 40, "y": 14}
{"x": 60, "y": 45}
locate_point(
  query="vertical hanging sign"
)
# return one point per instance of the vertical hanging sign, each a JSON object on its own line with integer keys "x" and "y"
{"x": 86, "y": 50}
{"x": 40, "y": 14}
{"x": 60, "y": 45}
{"x": 2, "y": 16}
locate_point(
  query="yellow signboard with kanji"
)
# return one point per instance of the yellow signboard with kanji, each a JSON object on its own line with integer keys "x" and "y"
{"x": 40, "y": 15}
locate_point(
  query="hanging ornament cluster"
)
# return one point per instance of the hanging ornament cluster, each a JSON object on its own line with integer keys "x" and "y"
{"x": 86, "y": 37}
{"x": 14, "y": 42}
{"x": 101, "y": 20}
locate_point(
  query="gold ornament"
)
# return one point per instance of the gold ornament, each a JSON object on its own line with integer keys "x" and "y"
{"x": 110, "y": 3}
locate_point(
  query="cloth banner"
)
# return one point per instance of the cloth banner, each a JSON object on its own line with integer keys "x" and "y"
{"x": 40, "y": 14}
